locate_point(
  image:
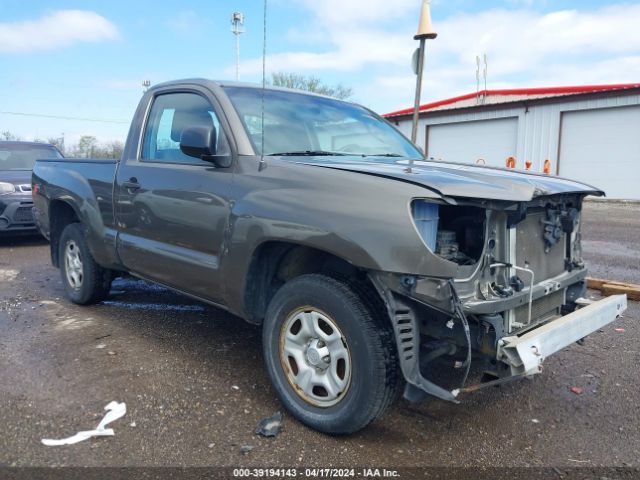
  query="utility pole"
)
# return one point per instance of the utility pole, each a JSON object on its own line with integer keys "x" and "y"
{"x": 425, "y": 31}
{"x": 237, "y": 27}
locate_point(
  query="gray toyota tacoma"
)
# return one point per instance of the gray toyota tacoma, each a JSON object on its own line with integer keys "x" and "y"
{"x": 372, "y": 271}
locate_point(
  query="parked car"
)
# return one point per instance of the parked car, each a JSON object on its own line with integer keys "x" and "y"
{"x": 315, "y": 218}
{"x": 16, "y": 163}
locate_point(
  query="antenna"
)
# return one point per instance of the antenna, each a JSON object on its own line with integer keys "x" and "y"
{"x": 480, "y": 99}
{"x": 484, "y": 74}
{"x": 477, "y": 79}
{"x": 264, "y": 82}
{"x": 237, "y": 27}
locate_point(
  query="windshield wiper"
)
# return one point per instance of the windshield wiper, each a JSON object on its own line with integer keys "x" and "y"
{"x": 308, "y": 153}
{"x": 382, "y": 155}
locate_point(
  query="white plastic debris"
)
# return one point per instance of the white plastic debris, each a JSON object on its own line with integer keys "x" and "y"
{"x": 114, "y": 410}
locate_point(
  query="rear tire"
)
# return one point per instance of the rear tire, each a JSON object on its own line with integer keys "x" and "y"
{"x": 85, "y": 282}
{"x": 332, "y": 360}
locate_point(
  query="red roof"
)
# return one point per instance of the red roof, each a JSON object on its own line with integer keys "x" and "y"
{"x": 515, "y": 94}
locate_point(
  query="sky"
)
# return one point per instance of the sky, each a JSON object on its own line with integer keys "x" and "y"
{"x": 75, "y": 67}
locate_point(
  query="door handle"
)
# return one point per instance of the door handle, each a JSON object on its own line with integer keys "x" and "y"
{"x": 132, "y": 184}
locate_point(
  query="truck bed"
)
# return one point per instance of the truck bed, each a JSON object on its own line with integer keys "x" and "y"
{"x": 87, "y": 184}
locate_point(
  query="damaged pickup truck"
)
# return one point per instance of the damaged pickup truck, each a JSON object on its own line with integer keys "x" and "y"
{"x": 370, "y": 270}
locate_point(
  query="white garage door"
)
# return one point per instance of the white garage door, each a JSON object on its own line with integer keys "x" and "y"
{"x": 602, "y": 147}
{"x": 466, "y": 142}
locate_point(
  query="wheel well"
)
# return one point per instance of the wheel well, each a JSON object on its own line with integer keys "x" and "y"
{"x": 61, "y": 214}
{"x": 274, "y": 263}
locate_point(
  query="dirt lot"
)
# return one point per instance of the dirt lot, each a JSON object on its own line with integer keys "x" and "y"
{"x": 195, "y": 388}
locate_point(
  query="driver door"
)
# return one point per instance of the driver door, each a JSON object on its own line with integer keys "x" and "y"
{"x": 173, "y": 209}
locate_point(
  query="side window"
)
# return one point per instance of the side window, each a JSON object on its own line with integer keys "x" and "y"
{"x": 170, "y": 114}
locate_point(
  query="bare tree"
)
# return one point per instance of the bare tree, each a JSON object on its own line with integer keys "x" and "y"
{"x": 310, "y": 84}
{"x": 111, "y": 149}
{"x": 57, "y": 142}
{"x": 8, "y": 136}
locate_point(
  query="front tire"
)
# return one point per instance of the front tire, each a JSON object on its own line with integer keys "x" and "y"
{"x": 84, "y": 281}
{"x": 330, "y": 356}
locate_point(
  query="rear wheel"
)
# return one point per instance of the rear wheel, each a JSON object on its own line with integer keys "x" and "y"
{"x": 85, "y": 281}
{"x": 331, "y": 358}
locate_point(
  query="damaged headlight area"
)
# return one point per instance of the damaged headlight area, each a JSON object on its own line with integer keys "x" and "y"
{"x": 518, "y": 287}
{"x": 455, "y": 233}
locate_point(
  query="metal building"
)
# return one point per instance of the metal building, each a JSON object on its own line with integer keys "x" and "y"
{"x": 588, "y": 133}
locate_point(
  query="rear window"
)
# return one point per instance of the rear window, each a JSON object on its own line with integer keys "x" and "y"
{"x": 23, "y": 157}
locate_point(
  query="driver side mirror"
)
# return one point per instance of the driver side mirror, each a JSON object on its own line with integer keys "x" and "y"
{"x": 200, "y": 142}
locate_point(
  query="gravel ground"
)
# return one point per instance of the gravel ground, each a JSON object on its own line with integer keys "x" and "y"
{"x": 195, "y": 388}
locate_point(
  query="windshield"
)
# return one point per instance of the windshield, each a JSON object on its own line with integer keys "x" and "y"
{"x": 301, "y": 124}
{"x": 23, "y": 156}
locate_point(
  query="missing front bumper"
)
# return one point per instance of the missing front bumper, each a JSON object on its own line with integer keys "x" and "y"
{"x": 525, "y": 354}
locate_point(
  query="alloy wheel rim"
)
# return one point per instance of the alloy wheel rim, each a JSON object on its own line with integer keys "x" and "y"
{"x": 73, "y": 265}
{"x": 315, "y": 357}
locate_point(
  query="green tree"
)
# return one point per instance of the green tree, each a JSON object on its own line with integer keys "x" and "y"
{"x": 310, "y": 84}
{"x": 86, "y": 146}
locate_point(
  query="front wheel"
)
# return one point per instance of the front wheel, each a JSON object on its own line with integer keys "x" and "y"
{"x": 84, "y": 280}
{"x": 332, "y": 358}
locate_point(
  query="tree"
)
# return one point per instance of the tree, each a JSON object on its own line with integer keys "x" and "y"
{"x": 310, "y": 84}
{"x": 111, "y": 149}
{"x": 8, "y": 136}
{"x": 86, "y": 146}
{"x": 57, "y": 142}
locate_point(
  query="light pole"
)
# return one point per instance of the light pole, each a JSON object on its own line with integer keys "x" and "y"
{"x": 425, "y": 31}
{"x": 237, "y": 27}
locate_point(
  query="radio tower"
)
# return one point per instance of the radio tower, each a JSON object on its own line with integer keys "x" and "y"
{"x": 237, "y": 27}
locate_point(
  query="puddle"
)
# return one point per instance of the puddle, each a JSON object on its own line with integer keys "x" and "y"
{"x": 154, "y": 306}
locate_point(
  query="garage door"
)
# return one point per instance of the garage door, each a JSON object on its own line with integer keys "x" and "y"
{"x": 466, "y": 142}
{"x": 602, "y": 147}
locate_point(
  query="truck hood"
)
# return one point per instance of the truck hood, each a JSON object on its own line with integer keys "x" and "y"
{"x": 455, "y": 180}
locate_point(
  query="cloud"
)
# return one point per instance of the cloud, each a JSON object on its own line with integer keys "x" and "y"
{"x": 373, "y": 38}
{"x": 185, "y": 22}
{"x": 123, "y": 84}
{"x": 347, "y": 13}
{"x": 55, "y": 30}
{"x": 355, "y": 50}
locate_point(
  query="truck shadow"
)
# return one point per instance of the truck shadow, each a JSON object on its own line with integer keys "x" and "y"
{"x": 22, "y": 240}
